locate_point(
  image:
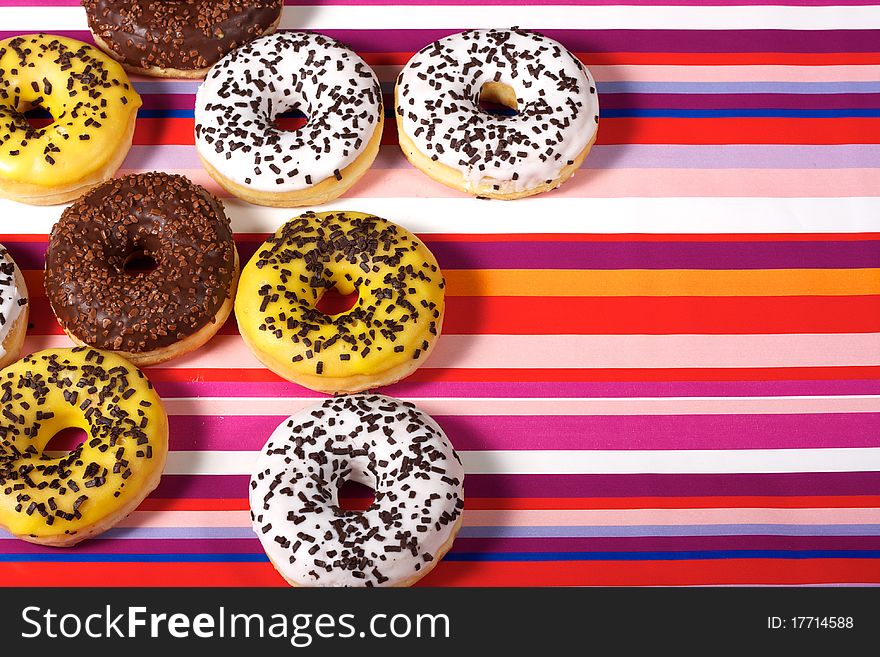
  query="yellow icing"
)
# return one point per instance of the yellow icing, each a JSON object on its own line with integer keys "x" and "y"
{"x": 288, "y": 332}
{"x": 115, "y": 389}
{"x": 73, "y": 146}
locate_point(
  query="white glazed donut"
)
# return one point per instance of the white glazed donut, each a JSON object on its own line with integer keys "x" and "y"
{"x": 246, "y": 90}
{"x": 385, "y": 443}
{"x": 13, "y": 309}
{"x": 443, "y": 131}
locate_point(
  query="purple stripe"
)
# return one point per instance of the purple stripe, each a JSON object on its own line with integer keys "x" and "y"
{"x": 637, "y": 485}
{"x": 469, "y": 389}
{"x": 603, "y": 255}
{"x": 485, "y": 545}
{"x": 738, "y": 101}
{"x": 578, "y": 432}
{"x": 807, "y": 41}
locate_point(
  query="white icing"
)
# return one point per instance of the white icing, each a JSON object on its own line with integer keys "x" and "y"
{"x": 385, "y": 443}
{"x": 438, "y": 95}
{"x": 10, "y": 308}
{"x": 244, "y": 92}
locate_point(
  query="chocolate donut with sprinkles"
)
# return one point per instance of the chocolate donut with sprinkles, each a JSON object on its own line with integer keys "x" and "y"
{"x": 385, "y": 336}
{"x": 237, "y": 104}
{"x": 93, "y": 108}
{"x": 143, "y": 265}
{"x": 444, "y": 132}
{"x": 13, "y": 308}
{"x": 60, "y": 500}
{"x": 387, "y": 444}
{"x": 179, "y": 39}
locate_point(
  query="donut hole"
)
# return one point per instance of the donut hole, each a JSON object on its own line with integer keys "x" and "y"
{"x": 498, "y": 98}
{"x": 139, "y": 262}
{"x": 290, "y": 120}
{"x": 37, "y": 118}
{"x": 333, "y": 302}
{"x": 354, "y": 496}
{"x": 65, "y": 441}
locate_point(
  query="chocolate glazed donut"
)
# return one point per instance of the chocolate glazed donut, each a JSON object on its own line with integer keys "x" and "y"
{"x": 177, "y": 38}
{"x": 149, "y": 315}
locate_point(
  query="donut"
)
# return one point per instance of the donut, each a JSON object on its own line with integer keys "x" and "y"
{"x": 180, "y": 39}
{"x": 245, "y": 91}
{"x": 147, "y": 315}
{"x": 62, "y": 500}
{"x": 444, "y": 132}
{"x": 385, "y": 336}
{"x": 13, "y": 309}
{"x": 387, "y": 444}
{"x": 93, "y": 107}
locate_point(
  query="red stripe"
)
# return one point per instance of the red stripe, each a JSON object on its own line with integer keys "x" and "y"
{"x": 625, "y": 315}
{"x": 632, "y": 131}
{"x": 661, "y": 315}
{"x": 435, "y": 375}
{"x": 448, "y": 573}
{"x": 544, "y": 503}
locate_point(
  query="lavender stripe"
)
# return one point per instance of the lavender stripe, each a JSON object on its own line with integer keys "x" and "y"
{"x": 638, "y": 485}
{"x": 564, "y": 389}
{"x": 807, "y": 41}
{"x": 669, "y": 530}
{"x": 384, "y": 3}
{"x": 159, "y": 87}
{"x": 603, "y": 255}
{"x": 629, "y": 156}
{"x": 579, "y": 432}
{"x": 483, "y": 544}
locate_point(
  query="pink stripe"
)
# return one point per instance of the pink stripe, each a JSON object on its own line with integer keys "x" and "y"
{"x": 559, "y": 518}
{"x": 506, "y": 3}
{"x": 282, "y": 406}
{"x": 621, "y": 183}
{"x": 587, "y": 351}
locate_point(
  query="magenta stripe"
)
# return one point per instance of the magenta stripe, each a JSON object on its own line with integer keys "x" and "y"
{"x": 604, "y": 255}
{"x": 407, "y": 389}
{"x": 635, "y": 485}
{"x": 794, "y": 41}
{"x": 165, "y": 101}
{"x": 463, "y": 3}
{"x": 488, "y": 545}
{"x": 578, "y": 432}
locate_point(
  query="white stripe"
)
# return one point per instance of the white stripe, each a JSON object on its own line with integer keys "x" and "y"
{"x": 347, "y": 17}
{"x": 515, "y": 462}
{"x": 282, "y": 407}
{"x": 549, "y": 214}
{"x": 583, "y": 351}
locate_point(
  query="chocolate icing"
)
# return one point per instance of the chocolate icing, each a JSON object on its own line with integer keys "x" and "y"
{"x": 167, "y": 218}
{"x": 180, "y": 34}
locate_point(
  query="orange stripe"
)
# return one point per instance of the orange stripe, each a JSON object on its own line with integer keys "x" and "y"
{"x": 557, "y": 503}
{"x": 448, "y": 573}
{"x": 632, "y": 131}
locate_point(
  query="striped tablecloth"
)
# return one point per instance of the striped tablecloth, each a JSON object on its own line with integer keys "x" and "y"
{"x": 666, "y": 372}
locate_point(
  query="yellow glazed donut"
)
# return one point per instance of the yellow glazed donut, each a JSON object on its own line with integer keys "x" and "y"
{"x": 93, "y": 106}
{"x": 60, "y": 501}
{"x": 384, "y": 337}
